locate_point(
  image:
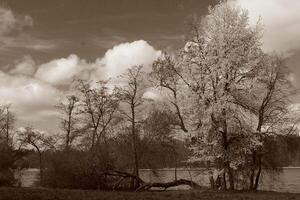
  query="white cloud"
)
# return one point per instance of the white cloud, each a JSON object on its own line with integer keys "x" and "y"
{"x": 30, "y": 99}
{"x": 26, "y": 66}
{"x": 62, "y": 71}
{"x": 21, "y": 90}
{"x": 32, "y": 89}
{"x": 115, "y": 62}
{"x": 281, "y": 21}
{"x": 125, "y": 55}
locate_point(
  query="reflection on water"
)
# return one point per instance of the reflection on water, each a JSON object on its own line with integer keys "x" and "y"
{"x": 287, "y": 181}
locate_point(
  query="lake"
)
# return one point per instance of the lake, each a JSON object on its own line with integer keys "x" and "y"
{"x": 287, "y": 181}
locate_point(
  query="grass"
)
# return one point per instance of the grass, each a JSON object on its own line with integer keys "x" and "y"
{"x": 61, "y": 194}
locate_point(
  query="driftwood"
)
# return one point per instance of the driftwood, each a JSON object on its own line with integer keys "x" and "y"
{"x": 144, "y": 185}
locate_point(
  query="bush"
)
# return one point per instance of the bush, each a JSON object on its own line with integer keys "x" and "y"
{"x": 74, "y": 169}
{"x": 6, "y": 167}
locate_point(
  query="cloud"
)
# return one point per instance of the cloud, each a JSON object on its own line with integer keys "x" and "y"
{"x": 125, "y": 55}
{"x": 33, "y": 89}
{"x": 10, "y": 22}
{"x": 62, "y": 71}
{"x": 12, "y": 33}
{"x": 29, "y": 97}
{"x": 26, "y": 66}
{"x": 24, "y": 90}
{"x": 115, "y": 62}
{"x": 281, "y": 20}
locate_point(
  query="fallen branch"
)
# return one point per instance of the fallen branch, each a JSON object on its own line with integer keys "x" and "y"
{"x": 148, "y": 186}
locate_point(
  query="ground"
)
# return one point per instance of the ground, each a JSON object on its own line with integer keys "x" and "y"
{"x": 59, "y": 194}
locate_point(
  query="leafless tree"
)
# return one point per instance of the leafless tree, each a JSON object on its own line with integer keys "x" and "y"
{"x": 98, "y": 105}
{"x": 69, "y": 110}
{"x": 165, "y": 75}
{"x": 131, "y": 95}
{"x": 40, "y": 142}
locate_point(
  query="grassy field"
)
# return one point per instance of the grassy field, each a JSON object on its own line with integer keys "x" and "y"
{"x": 51, "y": 194}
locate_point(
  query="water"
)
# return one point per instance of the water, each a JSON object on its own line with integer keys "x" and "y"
{"x": 287, "y": 181}
{"x": 28, "y": 177}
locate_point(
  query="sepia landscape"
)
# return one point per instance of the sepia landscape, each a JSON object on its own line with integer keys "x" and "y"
{"x": 149, "y": 99}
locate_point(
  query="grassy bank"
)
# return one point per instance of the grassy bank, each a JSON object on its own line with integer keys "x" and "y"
{"x": 51, "y": 194}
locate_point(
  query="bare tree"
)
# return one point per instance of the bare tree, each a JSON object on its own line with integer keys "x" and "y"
{"x": 69, "y": 110}
{"x": 165, "y": 75}
{"x": 99, "y": 105}
{"x": 131, "y": 95}
{"x": 269, "y": 103}
{"x": 40, "y": 142}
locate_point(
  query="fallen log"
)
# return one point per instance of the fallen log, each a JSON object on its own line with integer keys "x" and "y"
{"x": 143, "y": 186}
{"x": 148, "y": 186}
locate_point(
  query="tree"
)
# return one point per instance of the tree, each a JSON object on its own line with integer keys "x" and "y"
{"x": 160, "y": 146}
{"x": 166, "y": 77}
{"x": 69, "y": 110}
{"x": 98, "y": 105}
{"x": 40, "y": 142}
{"x": 11, "y": 155}
{"x": 7, "y": 120}
{"x": 131, "y": 95}
{"x": 240, "y": 93}
{"x": 269, "y": 102}
{"x": 221, "y": 58}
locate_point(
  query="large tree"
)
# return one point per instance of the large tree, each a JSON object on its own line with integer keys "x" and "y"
{"x": 68, "y": 108}
{"x": 230, "y": 90}
{"x": 131, "y": 91}
{"x": 98, "y": 105}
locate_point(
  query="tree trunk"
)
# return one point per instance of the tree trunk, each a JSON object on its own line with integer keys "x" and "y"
{"x": 41, "y": 168}
{"x": 212, "y": 182}
{"x": 258, "y": 173}
{"x": 251, "y": 178}
{"x": 225, "y": 147}
{"x": 134, "y": 148}
{"x": 230, "y": 177}
{"x": 224, "y": 184}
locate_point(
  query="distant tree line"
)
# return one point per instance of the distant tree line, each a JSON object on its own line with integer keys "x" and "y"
{"x": 220, "y": 102}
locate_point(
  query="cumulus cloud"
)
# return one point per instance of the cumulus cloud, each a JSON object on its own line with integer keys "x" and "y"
{"x": 125, "y": 55}
{"x": 115, "y": 62}
{"x": 62, "y": 71}
{"x": 29, "y": 97}
{"x": 22, "y": 90}
{"x": 33, "y": 89}
{"x": 281, "y": 21}
{"x": 25, "y": 66}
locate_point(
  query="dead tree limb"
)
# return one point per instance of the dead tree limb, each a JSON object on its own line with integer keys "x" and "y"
{"x": 144, "y": 186}
{"x": 148, "y": 186}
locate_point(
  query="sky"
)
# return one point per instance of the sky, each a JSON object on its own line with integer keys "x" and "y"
{"x": 45, "y": 44}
